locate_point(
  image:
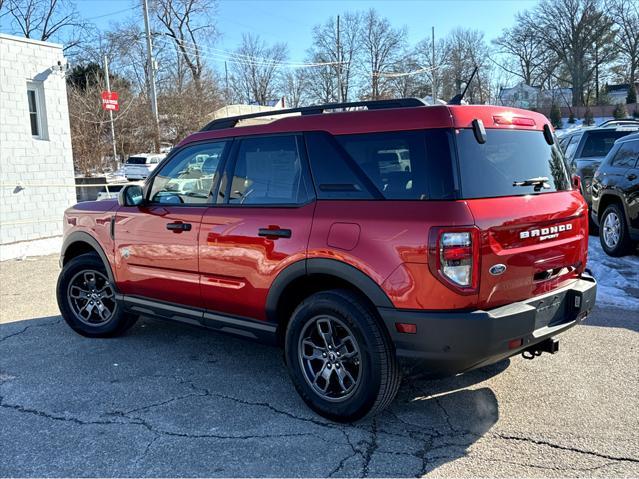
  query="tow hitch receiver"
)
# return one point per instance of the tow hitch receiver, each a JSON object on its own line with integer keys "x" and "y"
{"x": 550, "y": 345}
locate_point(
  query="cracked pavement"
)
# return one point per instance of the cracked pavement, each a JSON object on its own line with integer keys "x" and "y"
{"x": 171, "y": 400}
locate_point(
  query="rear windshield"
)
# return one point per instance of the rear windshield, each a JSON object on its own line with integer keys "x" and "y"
{"x": 508, "y": 158}
{"x": 599, "y": 143}
{"x": 136, "y": 160}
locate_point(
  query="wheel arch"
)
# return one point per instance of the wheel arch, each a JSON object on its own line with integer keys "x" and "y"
{"x": 303, "y": 278}
{"x": 606, "y": 200}
{"x": 80, "y": 242}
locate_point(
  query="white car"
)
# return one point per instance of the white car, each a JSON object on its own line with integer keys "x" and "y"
{"x": 138, "y": 167}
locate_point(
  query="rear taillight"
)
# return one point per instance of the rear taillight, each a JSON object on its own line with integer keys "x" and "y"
{"x": 454, "y": 257}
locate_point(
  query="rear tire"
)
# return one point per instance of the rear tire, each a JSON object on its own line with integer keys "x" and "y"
{"x": 87, "y": 299}
{"x": 341, "y": 361}
{"x": 614, "y": 236}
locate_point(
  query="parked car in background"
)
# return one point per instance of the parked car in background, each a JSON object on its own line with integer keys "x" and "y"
{"x": 615, "y": 197}
{"x": 138, "y": 167}
{"x": 586, "y": 148}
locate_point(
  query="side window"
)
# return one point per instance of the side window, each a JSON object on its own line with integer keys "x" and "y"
{"x": 189, "y": 176}
{"x": 627, "y": 155}
{"x": 37, "y": 116}
{"x": 269, "y": 171}
{"x": 333, "y": 176}
{"x": 405, "y": 165}
{"x": 572, "y": 146}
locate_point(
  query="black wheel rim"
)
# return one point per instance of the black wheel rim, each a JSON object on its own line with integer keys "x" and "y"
{"x": 92, "y": 298}
{"x": 330, "y": 359}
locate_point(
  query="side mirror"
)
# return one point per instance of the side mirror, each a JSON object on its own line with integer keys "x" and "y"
{"x": 131, "y": 195}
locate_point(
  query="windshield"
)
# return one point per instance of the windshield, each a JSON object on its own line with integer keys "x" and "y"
{"x": 136, "y": 160}
{"x": 599, "y": 143}
{"x": 510, "y": 163}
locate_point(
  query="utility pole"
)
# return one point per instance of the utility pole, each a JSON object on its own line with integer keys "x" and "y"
{"x": 108, "y": 87}
{"x": 434, "y": 70}
{"x": 340, "y": 96}
{"x": 226, "y": 77}
{"x": 151, "y": 75}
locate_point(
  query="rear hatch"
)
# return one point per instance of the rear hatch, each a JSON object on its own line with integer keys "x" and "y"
{"x": 533, "y": 225}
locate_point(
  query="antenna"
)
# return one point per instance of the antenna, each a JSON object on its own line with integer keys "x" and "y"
{"x": 457, "y": 99}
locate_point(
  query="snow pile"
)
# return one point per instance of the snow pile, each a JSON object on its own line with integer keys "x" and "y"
{"x": 617, "y": 278}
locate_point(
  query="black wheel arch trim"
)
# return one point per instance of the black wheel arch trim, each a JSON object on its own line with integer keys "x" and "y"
{"x": 84, "y": 237}
{"x": 324, "y": 266}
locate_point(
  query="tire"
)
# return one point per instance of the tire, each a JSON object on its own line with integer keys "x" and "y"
{"x": 355, "y": 345}
{"x": 614, "y": 236}
{"x": 86, "y": 299}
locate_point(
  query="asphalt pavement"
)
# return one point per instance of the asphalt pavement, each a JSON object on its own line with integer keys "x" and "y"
{"x": 171, "y": 400}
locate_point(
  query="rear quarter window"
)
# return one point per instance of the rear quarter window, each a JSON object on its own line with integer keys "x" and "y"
{"x": 492, "y": 169}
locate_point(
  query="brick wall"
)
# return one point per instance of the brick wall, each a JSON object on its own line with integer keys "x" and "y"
{"x": 36, "y": 175}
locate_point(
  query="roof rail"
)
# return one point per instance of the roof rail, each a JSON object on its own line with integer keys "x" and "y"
{"x": 231, "y": 121}
{"x": 620, "y": 122}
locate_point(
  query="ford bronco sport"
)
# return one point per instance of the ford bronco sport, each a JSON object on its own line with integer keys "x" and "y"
{"x": 383, "y": 234}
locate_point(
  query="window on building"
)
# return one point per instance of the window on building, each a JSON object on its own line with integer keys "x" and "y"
{"x": 35, "y": 102}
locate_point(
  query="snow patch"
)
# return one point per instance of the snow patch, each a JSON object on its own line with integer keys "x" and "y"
{"x": 617, "y": 278}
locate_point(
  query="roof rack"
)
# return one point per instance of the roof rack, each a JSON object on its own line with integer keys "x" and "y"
{"x": 231, "y": 121}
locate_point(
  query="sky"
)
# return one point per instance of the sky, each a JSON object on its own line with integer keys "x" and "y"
{"x": 291, "y": 21}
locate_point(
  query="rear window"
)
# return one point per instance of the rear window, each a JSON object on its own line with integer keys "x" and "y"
{"x": 492, "y": 169}
{"x": 136, "y": 160}
{"x": 404, "y": 165}
{"x": 599, "y": 143}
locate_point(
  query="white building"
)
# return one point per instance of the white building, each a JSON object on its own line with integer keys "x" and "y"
{"x": 36, "y": 165}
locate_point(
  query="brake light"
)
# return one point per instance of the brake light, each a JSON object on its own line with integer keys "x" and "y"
{"x": 454, "y": 257}
{"x": 513, "y": 120}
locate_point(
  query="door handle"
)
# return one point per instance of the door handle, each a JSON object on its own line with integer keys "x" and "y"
{"x": 631, "y": 176}
{"x": 178, "y": 227}
{"x": 274, "y": 233}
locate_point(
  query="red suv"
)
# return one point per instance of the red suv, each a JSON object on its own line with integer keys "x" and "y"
{"x": 363, "y": 237}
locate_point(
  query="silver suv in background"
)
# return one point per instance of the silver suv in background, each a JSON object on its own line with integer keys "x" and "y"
{"x": 586, "y": 148}
{"x": 138, "y": 167}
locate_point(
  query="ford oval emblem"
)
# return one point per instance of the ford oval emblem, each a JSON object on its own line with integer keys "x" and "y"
{"x": 497, "y": 269}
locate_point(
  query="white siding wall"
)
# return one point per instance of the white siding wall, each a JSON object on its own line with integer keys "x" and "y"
{"x": 36, "y": 175}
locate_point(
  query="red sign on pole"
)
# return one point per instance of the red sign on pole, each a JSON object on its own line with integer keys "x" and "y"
{"x": 110, "y": 101}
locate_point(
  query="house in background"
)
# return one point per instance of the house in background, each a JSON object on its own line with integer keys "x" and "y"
{"x": 527, "y": 97}
{"x": 36, "y": 164}
{"x": 619, "y": 93}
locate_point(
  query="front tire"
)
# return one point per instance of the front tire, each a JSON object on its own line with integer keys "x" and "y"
{"x": 340, "y": 359}
{"x": 614, "y": 236}
{"x": 87, "y": 299}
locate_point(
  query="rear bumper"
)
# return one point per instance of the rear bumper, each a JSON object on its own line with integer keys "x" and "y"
{"x": 454, "y": 342}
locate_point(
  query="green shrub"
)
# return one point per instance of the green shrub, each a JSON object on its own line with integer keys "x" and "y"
{"x": 620, "y": 112}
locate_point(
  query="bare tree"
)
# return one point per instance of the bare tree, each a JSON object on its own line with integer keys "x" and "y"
{"x": 579, "y": 33}
{"x": 383, "y": 46}
{"x": 343, "y": 61}
{"x": 188, "y": 24}
{"x": 255, "y": 69}
{"x": 295, "y": 86}
{"x": 529, "y": 58}
{"x": 625, "y": 14}
{"x": 46, "y": 20}
{"x": 464, "y": 50}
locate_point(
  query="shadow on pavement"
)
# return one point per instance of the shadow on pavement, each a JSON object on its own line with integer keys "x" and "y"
{"x": 168, "y": 400}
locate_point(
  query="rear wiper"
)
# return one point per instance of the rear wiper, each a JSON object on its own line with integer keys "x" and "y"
{"x": 539, "y": 183}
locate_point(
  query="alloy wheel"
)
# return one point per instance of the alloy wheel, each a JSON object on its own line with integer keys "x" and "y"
{"x": 92, "y": 298}
{"x": 330, "y": 358}
{"x": 611, "y": 230}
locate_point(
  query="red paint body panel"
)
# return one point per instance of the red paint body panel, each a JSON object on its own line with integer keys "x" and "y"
{"x": 154, "y": 262}
{"x": 392, "y": 247}
{"x": 237, "y": 266}
{"x": 94, "y": 218}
